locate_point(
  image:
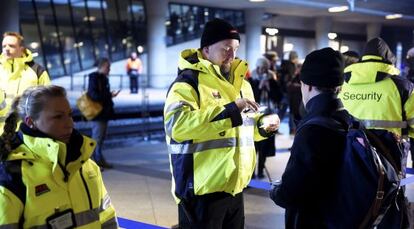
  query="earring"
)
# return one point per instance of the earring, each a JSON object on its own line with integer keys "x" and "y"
{"x": 31, "y": 126}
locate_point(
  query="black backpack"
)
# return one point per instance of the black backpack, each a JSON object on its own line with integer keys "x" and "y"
{"x": 368, "y": 178}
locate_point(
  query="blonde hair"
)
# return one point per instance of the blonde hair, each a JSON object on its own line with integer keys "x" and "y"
{"x": 17, "y": 35}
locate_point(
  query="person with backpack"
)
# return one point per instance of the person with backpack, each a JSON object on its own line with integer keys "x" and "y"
{"x": 18, "y": 71}
{"x": 376, "y": 94}
{"x": 309, "y": 182}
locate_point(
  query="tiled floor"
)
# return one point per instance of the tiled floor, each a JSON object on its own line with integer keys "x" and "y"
{"x": 139, "y": 185}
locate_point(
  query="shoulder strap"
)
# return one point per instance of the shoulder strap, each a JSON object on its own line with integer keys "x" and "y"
{"x": 38, "y": 69}
{"x": 188, "y": 76}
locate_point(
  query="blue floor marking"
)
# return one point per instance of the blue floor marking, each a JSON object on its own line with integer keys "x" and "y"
{"x": 264, "y": 185}
{"x": 259, "y": 184}
{"x": 130, "y": 224}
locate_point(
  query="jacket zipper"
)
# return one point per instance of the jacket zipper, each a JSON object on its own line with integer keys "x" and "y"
{"x": 86, "y": 187}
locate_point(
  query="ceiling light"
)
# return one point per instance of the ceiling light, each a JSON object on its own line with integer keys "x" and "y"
{"x": 337, "y": 9}
{"x": 271, "y": 31}
{"x": 393, "y": 16}
{"x": 344, "y": 48}
{"x": 332, "y": 35}
{"x": 257, "y": 0}
{"x": 288, "y": 47}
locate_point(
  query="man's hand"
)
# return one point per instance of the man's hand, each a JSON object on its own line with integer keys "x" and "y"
{"x": 247, "y": 105}
{"x": 270, "y": 123}
{"x": 115, "y": 93}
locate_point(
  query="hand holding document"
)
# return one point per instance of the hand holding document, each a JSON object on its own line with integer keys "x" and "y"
{"x": 270, "y": 123}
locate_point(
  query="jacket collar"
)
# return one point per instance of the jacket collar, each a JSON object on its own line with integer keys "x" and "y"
{"x": 78, "y": 149}
{"x": 328, "y": 105}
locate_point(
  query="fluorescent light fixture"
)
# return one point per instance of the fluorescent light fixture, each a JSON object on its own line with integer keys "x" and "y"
{"x": 288, "y": 47}
{"x": 393, "y": 16}
{"x": 337, "y": 9}
{"x": 34, "y": 45}
{"x": 332, "y": 36}
{"x": 257, "y": 0}
{"x": 271, "y": 31}
{"x": 140, "y": 49}
{"x": 344, "y": 48}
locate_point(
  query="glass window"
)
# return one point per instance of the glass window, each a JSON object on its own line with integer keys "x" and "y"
{"x": 67, "y": 38}
{"x": 83, "y": 33}
{"x": 30, "y": 32}
{"x": 117, "y": 30}
{"x": 186, "y": 22}
{"x": 50, "y": 38}
{"x": 98, "y": 27}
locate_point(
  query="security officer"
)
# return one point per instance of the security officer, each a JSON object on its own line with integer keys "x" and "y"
{"x": 47, "y": 179}
{"x": 18, "y": 71}
{"x": 210, "y": 139}
{"x": 375, "y": 94}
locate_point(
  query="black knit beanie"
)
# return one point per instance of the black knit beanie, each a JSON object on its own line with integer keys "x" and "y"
{"x": 323, "y": 68}
{"x": 217, "y": 30}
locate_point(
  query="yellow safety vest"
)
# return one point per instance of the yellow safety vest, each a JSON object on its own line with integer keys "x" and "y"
{"x": 371, "y": 93}
{"x": 40, "y": 189}
{"x": 16, "y": 76}
{"x": 211, "y": 147}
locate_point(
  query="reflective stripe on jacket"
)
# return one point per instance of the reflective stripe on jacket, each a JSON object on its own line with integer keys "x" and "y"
{"x": 16, "y": 76}
{"x": 373, "y": 93}
{"x": 211, "y": 145}
{"x": 45, "y": 189}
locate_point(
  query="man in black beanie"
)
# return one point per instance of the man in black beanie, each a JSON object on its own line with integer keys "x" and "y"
{"x": 211, "y": 123}
{"x": 307, "y": 186}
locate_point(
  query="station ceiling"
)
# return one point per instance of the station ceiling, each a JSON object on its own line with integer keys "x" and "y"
{"x": 361, "y": 11}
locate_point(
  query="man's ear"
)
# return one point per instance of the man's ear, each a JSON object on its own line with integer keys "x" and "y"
{"x": 29, "y": 121}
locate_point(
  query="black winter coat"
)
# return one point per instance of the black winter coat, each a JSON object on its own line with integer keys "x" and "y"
{"x": 309, "y": 180}
{"x": 99, "y": 91}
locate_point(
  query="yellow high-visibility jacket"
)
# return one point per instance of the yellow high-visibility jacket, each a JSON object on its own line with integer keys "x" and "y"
{"x": 375, "y": 94}
{"x": 35, "y": 184}
{"x": 17, "y": 75}
{"x": 210, "y": 143}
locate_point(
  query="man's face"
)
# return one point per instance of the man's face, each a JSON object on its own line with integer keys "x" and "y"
{"x": 222, "y": 53}
{"x": 11, "y": 47}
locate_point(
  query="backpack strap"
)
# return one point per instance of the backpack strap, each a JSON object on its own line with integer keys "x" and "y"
{"x": 38, "y": 69}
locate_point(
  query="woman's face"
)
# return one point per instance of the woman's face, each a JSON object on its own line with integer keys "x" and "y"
{"x": 55, "y": 119}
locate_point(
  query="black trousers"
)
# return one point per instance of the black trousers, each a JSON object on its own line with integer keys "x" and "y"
{"x": 212, "y": 211}
{"x": 133, "y": 83}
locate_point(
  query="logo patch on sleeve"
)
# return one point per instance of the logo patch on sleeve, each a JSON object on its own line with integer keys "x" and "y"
{"x": 41, "y": 189}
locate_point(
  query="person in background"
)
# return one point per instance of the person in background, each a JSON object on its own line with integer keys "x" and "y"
{"x": 308, "y": 184}
{"x": 211, "y": 123}
{"x": 260, "y": 81}
{"x": 376, "y": 94}
{"x": 99, "y": 91}
{"x": 288, "y": 69}
{"x": 350, "y": 57}
{"x": 47, "y": 179}
{"x": 296, "y": 109}
{"x": 18, "y": 71}
{"x": 134, "y": 69}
